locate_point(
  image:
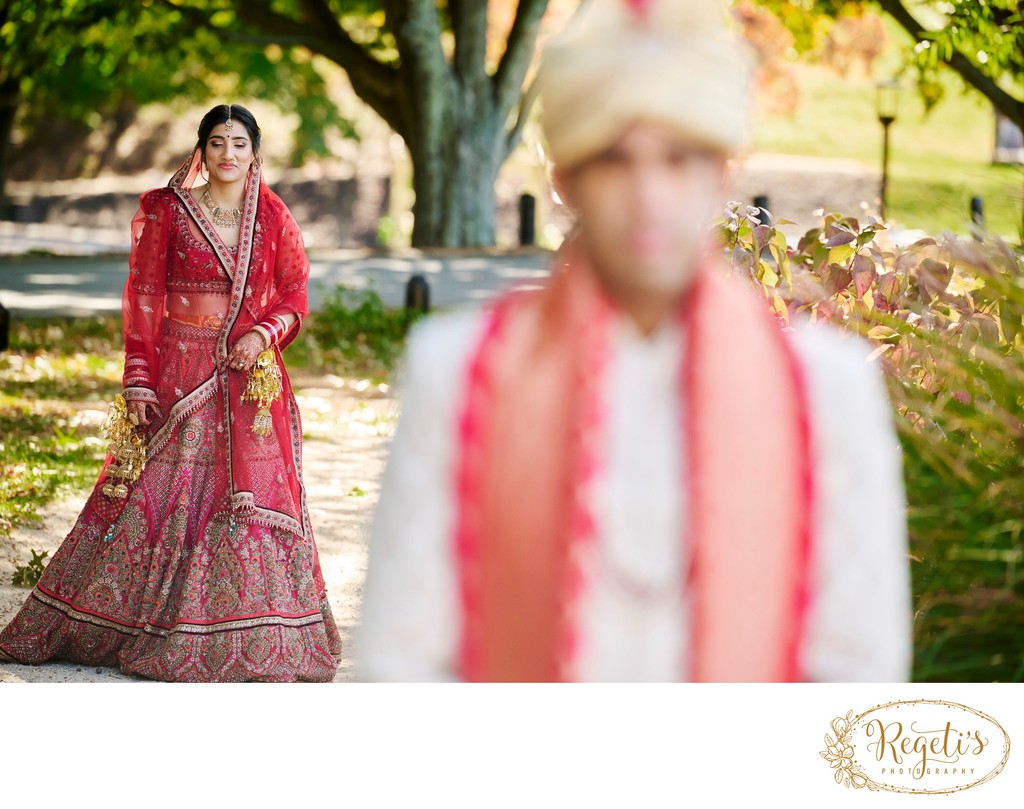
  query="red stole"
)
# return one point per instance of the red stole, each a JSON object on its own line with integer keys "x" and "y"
{"x": 529, "y": 442}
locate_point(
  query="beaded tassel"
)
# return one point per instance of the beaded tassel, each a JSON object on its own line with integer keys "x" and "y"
{"x": 126, "y": 447}
{"x": 264, "y": 388}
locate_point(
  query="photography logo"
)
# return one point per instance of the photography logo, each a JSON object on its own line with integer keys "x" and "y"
{"x": 923, "y": 746}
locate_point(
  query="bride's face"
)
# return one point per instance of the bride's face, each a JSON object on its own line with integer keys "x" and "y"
{"x": 228, "y": 153}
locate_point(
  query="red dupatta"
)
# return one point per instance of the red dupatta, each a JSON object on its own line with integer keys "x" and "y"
{"x": 269, "y": 275}
{"x": 530, "y": 448}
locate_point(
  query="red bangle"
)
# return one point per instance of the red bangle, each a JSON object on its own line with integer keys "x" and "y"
{"x": 271, "y": 329}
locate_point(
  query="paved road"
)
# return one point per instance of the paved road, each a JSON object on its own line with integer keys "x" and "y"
{"x": 77, "y": 286}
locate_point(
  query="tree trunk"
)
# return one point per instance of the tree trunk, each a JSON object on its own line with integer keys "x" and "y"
{"x": 9, "y": 99}
{"x": 455, "y": 168}
{"x": 124, "y": 116}
{"x": 459, "y": 120}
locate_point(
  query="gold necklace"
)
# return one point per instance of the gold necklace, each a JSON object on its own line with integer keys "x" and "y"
{"x": 222, "y": 217}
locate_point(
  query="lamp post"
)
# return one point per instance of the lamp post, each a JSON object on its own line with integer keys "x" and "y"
{"x": 887, "y": 100}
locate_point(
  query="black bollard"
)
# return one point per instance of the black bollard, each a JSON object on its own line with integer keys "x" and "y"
{"x": 417, "y": 296}
{"x": 5, "y": 328}
{"x": 527, "y": 220}
{"x": 761, "y": 201}
{"x": 977, "y": 212}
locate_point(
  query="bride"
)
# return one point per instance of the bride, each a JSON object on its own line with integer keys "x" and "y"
{"x": 194, "y": 559}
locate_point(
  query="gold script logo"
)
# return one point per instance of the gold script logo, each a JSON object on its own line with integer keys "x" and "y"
{"x": 924, "y": 746}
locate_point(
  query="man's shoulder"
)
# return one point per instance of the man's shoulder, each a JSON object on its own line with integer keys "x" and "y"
{"x": 842, "y": 373}
{"x": 440, "y": 345}
{"x": 826, "y": 344}
{"x": 446, "y": 333}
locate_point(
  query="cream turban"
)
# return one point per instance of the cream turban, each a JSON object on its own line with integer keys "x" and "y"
{"x": 675, "y": 62}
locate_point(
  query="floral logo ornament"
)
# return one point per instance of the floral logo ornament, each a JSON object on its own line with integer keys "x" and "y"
{"x": 923, "y": 746}
{"x": 838, "y": 753}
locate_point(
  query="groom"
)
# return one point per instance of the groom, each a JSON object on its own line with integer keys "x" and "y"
{"x": 634, "y": 473}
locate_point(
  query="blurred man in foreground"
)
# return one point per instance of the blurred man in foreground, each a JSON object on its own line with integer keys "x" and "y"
{"x": 635, "y": 473}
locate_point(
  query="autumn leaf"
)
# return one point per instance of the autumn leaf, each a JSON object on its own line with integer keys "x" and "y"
{"x": 863, "y": 274}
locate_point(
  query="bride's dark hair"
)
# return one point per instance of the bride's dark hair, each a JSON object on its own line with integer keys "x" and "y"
{"x": 220, "y": 114}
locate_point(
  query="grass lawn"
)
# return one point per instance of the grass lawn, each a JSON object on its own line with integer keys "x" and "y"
{"x": 938, "y": 160}
{"x": 60, "y": 375}
{"x": 57, "y": 379}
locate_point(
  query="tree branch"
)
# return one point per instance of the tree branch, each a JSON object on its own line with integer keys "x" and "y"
{"x": 469, "y": 24}
{"x": 425, "y": 74}
{"x": 526, "y": 102}
{"x": 1012, "y": 107}
{"x": 373, "y": 81}
{"x": 319, "y": 13}
{"x": 511, "y": 72}
{"x": 417, "y": 31}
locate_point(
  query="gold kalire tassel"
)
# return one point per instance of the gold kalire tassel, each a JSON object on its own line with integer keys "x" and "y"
{"x": 126, "y": 447}
{"x": 263, "y": 388}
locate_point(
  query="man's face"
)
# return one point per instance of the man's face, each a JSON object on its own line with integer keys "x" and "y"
{"x": 643, "y": 207}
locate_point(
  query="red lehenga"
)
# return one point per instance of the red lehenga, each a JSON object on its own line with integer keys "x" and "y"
{"x": 207, "y": 570}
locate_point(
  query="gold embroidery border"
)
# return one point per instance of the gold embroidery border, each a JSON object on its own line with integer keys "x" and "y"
{"x": 227, "y": 626}
{"x": 184, "y": 627}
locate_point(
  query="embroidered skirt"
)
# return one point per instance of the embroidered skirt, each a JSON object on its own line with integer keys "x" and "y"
{"x": 165, "y": 584}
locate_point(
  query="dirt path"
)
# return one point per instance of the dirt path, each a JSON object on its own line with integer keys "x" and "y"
{"x": 347, "y": 430}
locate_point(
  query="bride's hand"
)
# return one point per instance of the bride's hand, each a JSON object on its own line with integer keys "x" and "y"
{"x": 144, "y": 412}
{"x": 242, "y": 355}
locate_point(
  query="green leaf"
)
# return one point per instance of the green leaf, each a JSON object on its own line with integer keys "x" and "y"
{"x": 766, "y": 274}
{"x": 884, "y": 334}
{"x": 839, "y": 254}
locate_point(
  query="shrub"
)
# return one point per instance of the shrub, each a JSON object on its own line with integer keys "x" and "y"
{"x": 354, "y": 333}
{"x": 946, "y": 318}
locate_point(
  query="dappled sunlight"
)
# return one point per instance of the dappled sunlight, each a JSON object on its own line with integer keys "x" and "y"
{"x": 331, "y": 413}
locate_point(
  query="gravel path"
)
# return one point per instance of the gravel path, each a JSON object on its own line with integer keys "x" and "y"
{"x": 347, "y": 427}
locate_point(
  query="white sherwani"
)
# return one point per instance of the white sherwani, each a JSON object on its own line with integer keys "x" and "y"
{"x": 634, "y": 614}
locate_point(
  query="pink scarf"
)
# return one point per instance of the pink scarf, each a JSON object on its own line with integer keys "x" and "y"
{"x": 530, "y": 434}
